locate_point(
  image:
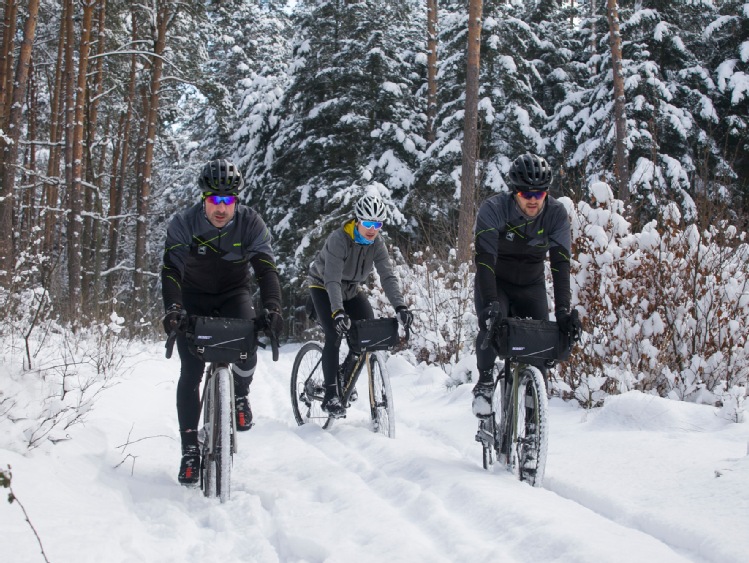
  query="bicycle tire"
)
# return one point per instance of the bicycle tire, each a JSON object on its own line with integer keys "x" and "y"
{"x": 530, "y": 428}
{"x": 495, "y": 424}
{"x": 209, "y": 434}
{"x": 308, "y": 386}
{"x": 223, "y": 444}
{"x": 217, "y": 445}
{"x": 381, "y": 396}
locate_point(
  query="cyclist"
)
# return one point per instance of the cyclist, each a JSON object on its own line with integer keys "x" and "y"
{"x": 514, "y": 232}
{"x": 209, "y": 249}
{"x": 347, "y": 260}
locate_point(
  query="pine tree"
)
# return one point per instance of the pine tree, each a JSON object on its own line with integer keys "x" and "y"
{"x": 349, "y": 119}
{"x": 660, "y": 49}
{"x": 727, "y": 39}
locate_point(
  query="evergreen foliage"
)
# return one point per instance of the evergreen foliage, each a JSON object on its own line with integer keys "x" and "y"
{"x": 348, "y": 120}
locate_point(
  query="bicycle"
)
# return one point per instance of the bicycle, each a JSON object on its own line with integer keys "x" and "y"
{"x": 367, "y": 342}
{"x": 221, "y": 342}
{"x": 517, "y": 430}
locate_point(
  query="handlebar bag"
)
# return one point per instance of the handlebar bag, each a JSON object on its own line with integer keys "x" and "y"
{"x": 532, "y": 341}
{"x": 214, "y": 339}
{"x": 373, "y": 334}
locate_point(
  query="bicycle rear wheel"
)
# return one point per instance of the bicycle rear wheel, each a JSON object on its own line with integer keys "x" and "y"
{"x": 530, "y": 431}
{"x": 217, "y": 446}
{"x": 380, "y": 396}
{"x": 308, "y": 386}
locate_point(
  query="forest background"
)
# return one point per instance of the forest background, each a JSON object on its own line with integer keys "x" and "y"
{"x": 110, "y": 108}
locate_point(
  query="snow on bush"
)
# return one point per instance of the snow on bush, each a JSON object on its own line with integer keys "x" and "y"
{"x": 51, "y": 375}
{"x": 664, "y": 309}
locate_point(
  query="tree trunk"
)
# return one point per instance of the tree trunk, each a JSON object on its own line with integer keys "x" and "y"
{"x": 470, "y": 134}
{"x": 144, "y": 192}
{"x": 431, "y": 70}
{"x": 28, "y": 211}
{"x": 10, "y": 145}
{"x": 92, "y": 201}
{"x": 75, "y": 220}
{"x": 73, "y": 258}
{"x": 621, "y": 154}
{"x": 51, "y": 188}
{"x": 117, "y": 183}
{"x": 6, "y": 59}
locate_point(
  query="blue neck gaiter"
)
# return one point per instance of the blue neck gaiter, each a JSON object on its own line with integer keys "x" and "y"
{"x": 358, "y": 239}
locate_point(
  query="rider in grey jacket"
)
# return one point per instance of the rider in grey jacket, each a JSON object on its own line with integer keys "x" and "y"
{"x": 347, "y": 260}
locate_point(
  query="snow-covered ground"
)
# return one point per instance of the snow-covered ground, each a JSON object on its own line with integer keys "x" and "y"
{"x": 641, "y": 479}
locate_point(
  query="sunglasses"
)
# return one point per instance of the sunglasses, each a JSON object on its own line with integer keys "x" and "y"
{"x": 219, "y": 199}
{"x": 532, "y": 195}
{"x": 372, "y": 225}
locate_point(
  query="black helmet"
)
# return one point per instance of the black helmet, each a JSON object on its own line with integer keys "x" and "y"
{"x": 221, "y": 177}
{"x": 530, "y": 172}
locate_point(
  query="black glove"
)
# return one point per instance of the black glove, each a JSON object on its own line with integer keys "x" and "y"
{"x": 174, "y": 319}
{"x": 274, "y": 322}
{"x": 492, "y": 311}
{"x": 405, "y": 316}
{"x": 569, "y": 323}
{"x": 342, "y": 321}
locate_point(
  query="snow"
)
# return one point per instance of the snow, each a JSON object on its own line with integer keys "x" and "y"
{"x": 640, "y": 479}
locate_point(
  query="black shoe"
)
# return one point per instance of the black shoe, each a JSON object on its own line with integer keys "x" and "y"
{"x": 244, "y": 413}
{"x": 189, "y": 468}
{"x": 332, "y": 405}
{"x": 482, "y": 399}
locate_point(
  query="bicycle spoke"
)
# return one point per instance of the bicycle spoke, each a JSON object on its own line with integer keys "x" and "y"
{"x": 307, "y": 386}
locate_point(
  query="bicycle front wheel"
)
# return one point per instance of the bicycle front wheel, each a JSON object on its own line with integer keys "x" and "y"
{"x": 209, "y": 434}
{"x": 530, "y": 432}
{"x": 308, "y": 386}
{"x": 217, "y": 451}
{"x": 224, "y": 443}
{"x": 380, "y": 395}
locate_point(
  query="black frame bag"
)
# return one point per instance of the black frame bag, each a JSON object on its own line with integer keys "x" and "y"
{"x": 216, "y": 339}
{"x": 532, "y": 341}
{"x": 373, "y": 334}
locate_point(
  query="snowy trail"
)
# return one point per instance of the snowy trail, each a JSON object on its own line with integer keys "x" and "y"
{"x": 303, "y": 494}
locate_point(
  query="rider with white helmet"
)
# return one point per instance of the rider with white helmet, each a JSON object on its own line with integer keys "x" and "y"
{"x": 346, "y": 261}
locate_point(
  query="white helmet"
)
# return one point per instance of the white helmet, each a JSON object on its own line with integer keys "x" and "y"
{"x": 370, "y": 208}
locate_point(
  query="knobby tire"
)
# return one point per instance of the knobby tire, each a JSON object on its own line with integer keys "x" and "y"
{"x": 209, "y": 432}
{"x": 223, "y": 444}
{"x": 529, "y": 443}
{"x": 217, "y": 447}
{"x": 381, "y": 396}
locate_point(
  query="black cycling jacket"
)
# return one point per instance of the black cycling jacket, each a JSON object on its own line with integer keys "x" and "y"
{"x": 512, "y": 248}
{"x": 201, "y": 258}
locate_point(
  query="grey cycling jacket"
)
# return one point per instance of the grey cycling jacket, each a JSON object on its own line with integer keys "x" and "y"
{"x": 342, "y": 265}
